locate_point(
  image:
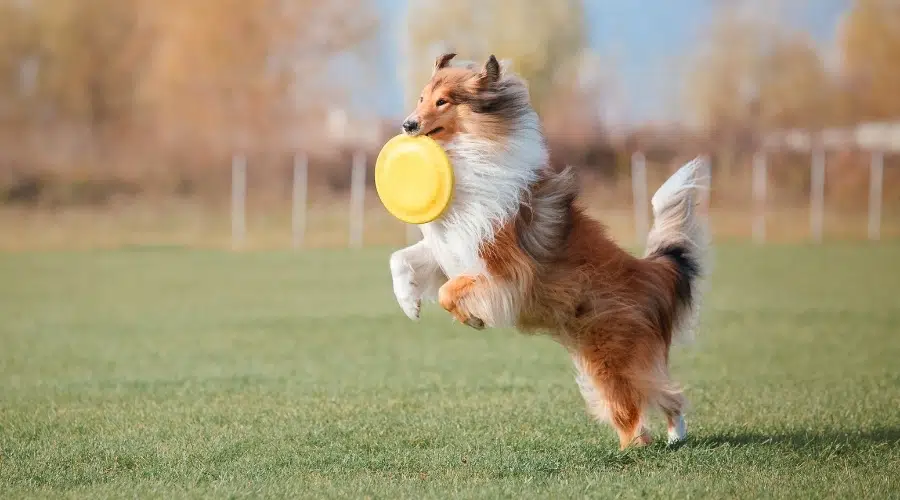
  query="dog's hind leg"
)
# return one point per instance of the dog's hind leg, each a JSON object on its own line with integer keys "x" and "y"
{"x": 665, "y": 394}
{"x": 626, "y": 405}
{"x": 593, "y": 395}
{"x": 616, "y": 400}
{"x": 672, "y": 405}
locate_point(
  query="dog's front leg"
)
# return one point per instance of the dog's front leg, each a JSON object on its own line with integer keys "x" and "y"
{"x": 416, "y": 275}
{"x": 478, "y": 300}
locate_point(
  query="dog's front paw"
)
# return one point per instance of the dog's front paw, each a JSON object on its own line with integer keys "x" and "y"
{"x": 409, "y": 298}
{"x": 411, "y": 307}
{"x": 452, "y": 297}
{"x": 475, "y": 323}
{"x": 405, "y": 289}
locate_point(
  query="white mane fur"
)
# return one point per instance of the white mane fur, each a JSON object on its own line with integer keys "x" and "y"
{"x": 490, "y": 179}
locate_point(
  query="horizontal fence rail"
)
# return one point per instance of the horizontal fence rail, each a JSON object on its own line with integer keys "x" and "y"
{"x": 759, "y": 198}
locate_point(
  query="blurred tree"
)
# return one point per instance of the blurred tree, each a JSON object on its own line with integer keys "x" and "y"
{"x": 752, "y": 74}
{"x": 580, "y": 97}
{"x": 795, "y": 90}
{"x": 75, "y": 61}
{"x": 156, "y": 91}
{"x": 542, "y": 40}
{"x": 723, "y": 83}
{"x": 15, "y": 45}
{"x": 870, "y": 47}
{"x": 235, "y": 72}
{"x": 724, "y": 77}
{"x": 129, "y": 86}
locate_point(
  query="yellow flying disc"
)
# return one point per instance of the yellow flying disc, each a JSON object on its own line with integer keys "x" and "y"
{"x": 414, "y": 178}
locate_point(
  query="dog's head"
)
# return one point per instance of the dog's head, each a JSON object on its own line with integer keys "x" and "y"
{"x": 484, "y": 101}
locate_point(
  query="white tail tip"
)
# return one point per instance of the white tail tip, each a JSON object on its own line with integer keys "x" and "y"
{"x": 692, "y": 175}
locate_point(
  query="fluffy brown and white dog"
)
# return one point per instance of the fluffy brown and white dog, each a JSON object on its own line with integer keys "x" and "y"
{"x": 514, "y": 249}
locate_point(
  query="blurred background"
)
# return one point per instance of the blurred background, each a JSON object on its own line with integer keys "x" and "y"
{"x": 255, "y": 123}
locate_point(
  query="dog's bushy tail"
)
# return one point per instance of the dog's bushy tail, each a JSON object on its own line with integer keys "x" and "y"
{"x": 680, "y": 234}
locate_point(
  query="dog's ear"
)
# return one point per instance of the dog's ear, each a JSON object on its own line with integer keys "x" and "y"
{"x": 490, "y": 74}
{"x": 442, "y": 61}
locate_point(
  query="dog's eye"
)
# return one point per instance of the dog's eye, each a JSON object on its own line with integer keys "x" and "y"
{"x": 440, "y": 102}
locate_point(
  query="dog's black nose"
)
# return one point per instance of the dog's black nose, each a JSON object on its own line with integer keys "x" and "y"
{"x": 410, "y": 126}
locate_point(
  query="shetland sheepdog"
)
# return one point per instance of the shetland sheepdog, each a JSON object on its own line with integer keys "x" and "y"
{"x": 515, "y": 249}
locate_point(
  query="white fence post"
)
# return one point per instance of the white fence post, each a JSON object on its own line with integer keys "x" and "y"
{"x": 238, "y": 200}
{"x": 759, "y": 197}
{"x": 876, "y": 178}
{"x": 639, "y": 192}
{"x": 298, "y": 208}
{"x": 357, "y": 200}
{"x": 817, "y": 194}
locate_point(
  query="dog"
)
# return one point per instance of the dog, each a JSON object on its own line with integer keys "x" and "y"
{"x": 515, "y": 249}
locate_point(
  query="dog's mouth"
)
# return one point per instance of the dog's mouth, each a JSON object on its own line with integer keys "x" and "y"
{"x": 434, "y": 131}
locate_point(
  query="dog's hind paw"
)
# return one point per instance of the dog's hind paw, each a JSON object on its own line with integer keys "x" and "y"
{"x": 677, "y": 431}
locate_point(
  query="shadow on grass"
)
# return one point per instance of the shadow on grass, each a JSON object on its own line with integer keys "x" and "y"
{"x": 798, "y": 440}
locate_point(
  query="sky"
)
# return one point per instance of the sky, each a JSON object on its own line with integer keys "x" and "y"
{"x": 644, "y": 39}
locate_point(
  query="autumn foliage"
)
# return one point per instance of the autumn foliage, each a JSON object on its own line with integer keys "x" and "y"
{"x": 147, "y": 91}
{"x": 128, "y": 96}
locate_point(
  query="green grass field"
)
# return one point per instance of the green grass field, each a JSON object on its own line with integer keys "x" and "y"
{"x": 170, "y": 373}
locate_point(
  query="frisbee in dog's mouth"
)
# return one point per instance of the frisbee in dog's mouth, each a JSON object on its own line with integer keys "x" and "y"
{"x": 434, "y": 131}
{"x": 414, "y": 178}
